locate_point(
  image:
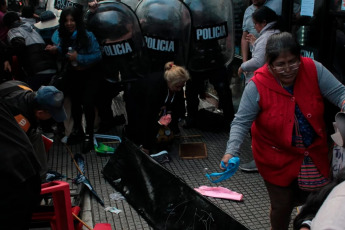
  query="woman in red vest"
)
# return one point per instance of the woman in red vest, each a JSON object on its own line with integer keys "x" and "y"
{"x": 283, "y": 106}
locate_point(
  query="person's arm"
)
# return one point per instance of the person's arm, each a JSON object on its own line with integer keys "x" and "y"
{"x": 93, "y": 54}
{"x": 258, "y": 56}
{"x": 16, "y": 42}
{"x": 245, "y": 116}
{"x": 93, "y": 4}
{"x": 7, "y": 66}
{"x": 245, "y": 28}
{"x": 244, "y": 47}
{"x": 330, "y": 87}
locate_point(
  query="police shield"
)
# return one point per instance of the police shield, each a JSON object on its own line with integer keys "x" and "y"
{"x": 131, "y": 3}
{"x": 166, "y": 26}
{"x": 62, "y": 4}
{"x": 117, "y": 30}
{"x": 212, "y": 40}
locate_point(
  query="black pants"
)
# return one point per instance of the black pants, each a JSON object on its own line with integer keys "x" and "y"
{"x": 220, "y": 79}
{"x": 82, "y": 87}
{"x": 17, "y": 203}
{"x": 107, "y": 92}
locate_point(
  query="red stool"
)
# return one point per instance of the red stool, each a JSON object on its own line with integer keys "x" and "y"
{"x": 61, "y": 218}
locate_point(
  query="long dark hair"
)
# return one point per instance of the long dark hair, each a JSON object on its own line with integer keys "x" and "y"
{"x": 82, "y": 40}
{"x": 265, "y": 14}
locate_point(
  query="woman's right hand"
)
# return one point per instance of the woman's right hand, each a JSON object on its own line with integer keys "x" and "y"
{"x": 239, "y": 71}
{"x": 51, "y": 48}
{"x": 225, "y": 159}
{"x": 7, "y": 66}
{"x": 251, "y": 39}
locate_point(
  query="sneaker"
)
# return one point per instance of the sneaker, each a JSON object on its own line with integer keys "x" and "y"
{"x": 106, "y": 126}
{"x": 76, "y": 137}
{"x": 64, "y": 139}
{"x": 249, "y": 167}
{"x": 161, "y": 157}
{"x": 189, "y": 123}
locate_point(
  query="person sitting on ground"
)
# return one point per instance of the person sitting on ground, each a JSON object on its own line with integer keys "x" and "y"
{"x": 25, "y": 43}
{"x": 283, "y": 106}
{"x": 152, "y": 104}
{"x": 29, "y": 108}
{"x": 324, "y": 209}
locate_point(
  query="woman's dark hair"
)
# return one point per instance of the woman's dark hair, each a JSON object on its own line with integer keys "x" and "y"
{"x": 28, "y": 12}
{"x": 264, "y": 14}
{"x": 280, "y": 43}
{"x": 82, "y": 40}
{"x": 9, "y": 18}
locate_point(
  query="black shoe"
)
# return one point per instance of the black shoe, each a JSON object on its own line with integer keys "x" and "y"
{"x": 189, "y": 123}
{"x": 76, "y": 137}
{"x": 106, "y": 126}
{"x": 161, "y": 157}
{"x": 87, "y": 144}
{"x": 119, "y": 119}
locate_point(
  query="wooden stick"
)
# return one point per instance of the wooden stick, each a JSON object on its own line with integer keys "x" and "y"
{"x": 75, "y": 163}
{"x": 188, "y": 136}
{"x": 80, "y": 220}
{"x": 110, "y": 142}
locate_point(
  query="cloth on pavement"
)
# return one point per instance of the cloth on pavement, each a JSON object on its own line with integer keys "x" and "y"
{"x": 219, "y": 192}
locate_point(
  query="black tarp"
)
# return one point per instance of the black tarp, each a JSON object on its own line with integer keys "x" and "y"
{"x": 162, "y": 198}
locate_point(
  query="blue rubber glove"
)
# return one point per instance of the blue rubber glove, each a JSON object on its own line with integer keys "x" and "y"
{"x": 233, "y": 164}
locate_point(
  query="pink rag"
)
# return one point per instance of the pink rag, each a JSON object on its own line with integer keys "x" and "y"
{"x": 219, "y": 192}
{"x": 165, "y": 120}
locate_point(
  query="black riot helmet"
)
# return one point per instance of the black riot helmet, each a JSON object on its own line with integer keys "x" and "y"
{"x": 118, "y": 32}
{"x": 166, "y": 26}
{"x": 212, "y": 40}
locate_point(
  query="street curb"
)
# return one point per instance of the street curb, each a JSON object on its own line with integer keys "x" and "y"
{"x": 86, "y": 213}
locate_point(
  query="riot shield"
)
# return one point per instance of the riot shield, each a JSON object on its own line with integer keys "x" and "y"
{"x": 118, "y": 32}
{"x": 212, "y": 40}
{"x": 166, "y": 26}
{"x": 61, "y": 4}
{"x": 131, "y": 3}
{"x": 162, "y": 198}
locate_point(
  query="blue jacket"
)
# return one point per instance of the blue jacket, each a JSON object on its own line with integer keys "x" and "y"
{"x": 85, "y": 56}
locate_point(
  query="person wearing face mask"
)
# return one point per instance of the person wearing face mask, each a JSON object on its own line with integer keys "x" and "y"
{"x": 80, "y": 81}
{"x": 283, "y": 106}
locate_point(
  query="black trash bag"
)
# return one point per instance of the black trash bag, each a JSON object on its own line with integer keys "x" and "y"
{"x": 162, "y": 198}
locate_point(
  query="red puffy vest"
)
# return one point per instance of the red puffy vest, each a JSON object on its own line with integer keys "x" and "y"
{"x": 277, "y": 160}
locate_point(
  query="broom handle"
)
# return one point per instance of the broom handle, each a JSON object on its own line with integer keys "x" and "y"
{"x": 81, "y": 221}
{"x": 189, "y": 136}
{"x": 111, "y": 142}
{"x": 75, "y": 163}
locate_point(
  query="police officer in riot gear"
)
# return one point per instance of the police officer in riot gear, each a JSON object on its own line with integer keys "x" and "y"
{"x": 123, "y": 49}
{"x": 211, "y": 52}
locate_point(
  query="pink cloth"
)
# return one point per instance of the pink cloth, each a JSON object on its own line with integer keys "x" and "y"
{"x": 165, "y": 120}
{"x": 219, "y": 192}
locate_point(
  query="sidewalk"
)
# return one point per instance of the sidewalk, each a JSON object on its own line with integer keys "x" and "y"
{"x": 253, "y": 211}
